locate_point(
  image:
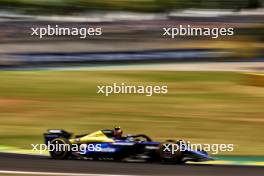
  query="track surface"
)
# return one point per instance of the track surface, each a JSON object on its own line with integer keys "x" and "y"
{"x": 18, "y": 162}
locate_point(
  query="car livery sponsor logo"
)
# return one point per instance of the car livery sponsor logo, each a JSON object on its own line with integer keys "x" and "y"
{"x": 123, "y": 143}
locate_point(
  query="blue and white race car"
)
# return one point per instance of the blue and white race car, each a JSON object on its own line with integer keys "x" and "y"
{"x": 109, "y": 145}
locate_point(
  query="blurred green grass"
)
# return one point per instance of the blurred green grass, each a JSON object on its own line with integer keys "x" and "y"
{"x": 203, "y": 107}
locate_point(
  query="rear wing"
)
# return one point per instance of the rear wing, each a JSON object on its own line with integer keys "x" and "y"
{"x": 55, "y": 133}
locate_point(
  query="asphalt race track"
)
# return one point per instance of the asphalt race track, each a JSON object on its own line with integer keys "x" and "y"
{"x": 30, "y": 163}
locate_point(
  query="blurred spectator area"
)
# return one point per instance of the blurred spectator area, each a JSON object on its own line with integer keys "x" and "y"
{"x": 132, "y": 25}
{"x": 135, "y": 35}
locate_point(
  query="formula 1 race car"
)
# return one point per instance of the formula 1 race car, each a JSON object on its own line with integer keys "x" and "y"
{"x": 103, "y": 145}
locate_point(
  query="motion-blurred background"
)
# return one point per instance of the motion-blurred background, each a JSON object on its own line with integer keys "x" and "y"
{"x": 212, "y": 98}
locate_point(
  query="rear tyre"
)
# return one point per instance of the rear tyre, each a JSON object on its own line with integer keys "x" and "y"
{"x": 169, "y": 154}
{"x": 60, "y": 148}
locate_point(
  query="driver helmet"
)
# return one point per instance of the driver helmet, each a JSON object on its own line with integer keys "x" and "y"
{"x": 117, "y": 132}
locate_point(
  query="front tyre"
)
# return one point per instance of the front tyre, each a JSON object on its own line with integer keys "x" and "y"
{"x": 170, "y": 153}
{"x": 60, "y": 148}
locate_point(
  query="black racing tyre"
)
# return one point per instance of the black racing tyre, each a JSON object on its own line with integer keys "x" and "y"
{"x": 171, "y": 155}
{"x": 60, "y": 148}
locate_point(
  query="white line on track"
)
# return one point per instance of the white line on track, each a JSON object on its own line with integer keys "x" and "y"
{"x": 204, "y": 66}
{"x": 54, "y": 173}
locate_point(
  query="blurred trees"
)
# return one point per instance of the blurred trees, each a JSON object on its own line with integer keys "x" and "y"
{"x": 66, "y": 6}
